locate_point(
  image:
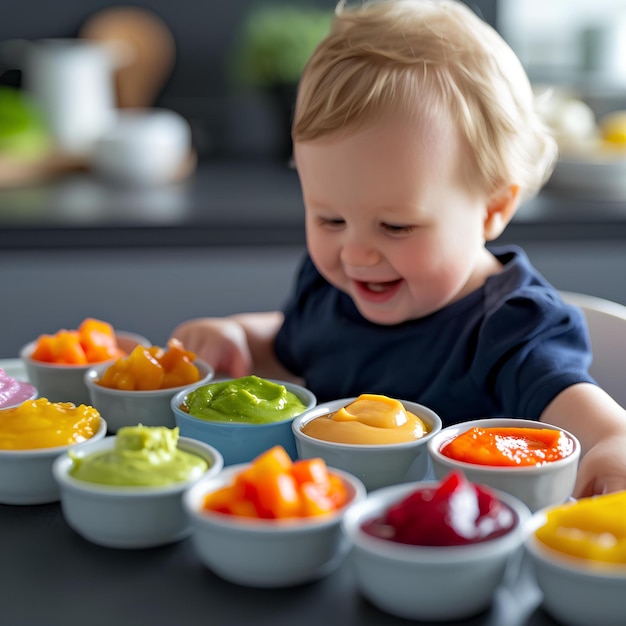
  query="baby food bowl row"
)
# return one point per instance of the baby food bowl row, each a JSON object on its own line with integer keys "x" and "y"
{"x": 282, "y": 553}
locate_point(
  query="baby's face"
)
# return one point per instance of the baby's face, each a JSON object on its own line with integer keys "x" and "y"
{"x": 390, "y": 220}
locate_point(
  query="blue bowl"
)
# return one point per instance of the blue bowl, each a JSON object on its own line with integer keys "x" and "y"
{"x": 241, "y": 443}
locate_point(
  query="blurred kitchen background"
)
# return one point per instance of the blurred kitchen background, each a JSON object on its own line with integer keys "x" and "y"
{"x": 144, "y": 155}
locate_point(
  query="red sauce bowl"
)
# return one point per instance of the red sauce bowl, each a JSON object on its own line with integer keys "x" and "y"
{"x": 537, "y": 486}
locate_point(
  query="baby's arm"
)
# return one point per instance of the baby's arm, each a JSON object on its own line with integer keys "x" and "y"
{"x": 237, "y": 345}
{"x": 599, "y": 422}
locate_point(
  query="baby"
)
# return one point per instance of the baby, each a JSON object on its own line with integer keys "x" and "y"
{"x": 415, "y": 139}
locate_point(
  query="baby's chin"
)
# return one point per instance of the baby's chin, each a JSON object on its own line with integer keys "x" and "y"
{"x": 382, "y": 317}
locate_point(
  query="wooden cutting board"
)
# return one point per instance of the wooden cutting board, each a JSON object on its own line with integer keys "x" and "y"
{"x": 21, "y": 173}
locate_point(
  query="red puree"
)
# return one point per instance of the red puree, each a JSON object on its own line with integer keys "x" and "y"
{"x": 455, "y": 513}
{"x": 514, "y": 446}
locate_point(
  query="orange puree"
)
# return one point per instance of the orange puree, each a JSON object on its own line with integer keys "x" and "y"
{"x": 39, "y": 423}
{"x": 509, "y": 446}
{"x": 371, "y": 419}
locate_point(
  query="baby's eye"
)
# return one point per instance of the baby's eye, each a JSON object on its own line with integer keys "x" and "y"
{"x": 331, "y": 222}
{"x": 397, "y": 229}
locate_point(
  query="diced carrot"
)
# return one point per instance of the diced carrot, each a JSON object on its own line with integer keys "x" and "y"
{"x": 310, "y": 470}
{"x": 276, "y": 457}
{"x": 44, "y": 349}
{"x": 182, "y": 372}
{"x": 175, "y": 352}
{"x": 278, "y": 496}
{"x": 156, "y": 351}
{"x": 315, "y": 500}
{"x": 274, "y": 487}
{"x": 337, "y": 491}
{"x": 220, "y": 500}
{"x": 147, "y": 372}
{"x": 98, "y": 340}
{"x": 67, "y": 349}
{"x": 243, "y": 508}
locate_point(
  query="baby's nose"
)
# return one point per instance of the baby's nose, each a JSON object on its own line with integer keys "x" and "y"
{"x": 359, "y": 254}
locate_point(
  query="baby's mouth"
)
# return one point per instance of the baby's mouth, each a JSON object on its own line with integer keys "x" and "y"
{"x": 379, "y": 287}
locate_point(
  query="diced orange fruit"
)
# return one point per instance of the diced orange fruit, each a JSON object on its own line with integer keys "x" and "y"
{"x": 275, "y": 487}
{"x": 152, "y": 368}
{"x": 92, "y": 342}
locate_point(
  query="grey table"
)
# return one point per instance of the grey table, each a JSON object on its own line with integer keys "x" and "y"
{"x": 52, "y": 577}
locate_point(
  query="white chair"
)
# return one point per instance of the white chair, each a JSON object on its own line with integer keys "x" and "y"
{"x": 607, "y": 327}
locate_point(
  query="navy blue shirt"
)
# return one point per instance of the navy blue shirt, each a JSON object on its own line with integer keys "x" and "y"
{"x": 506, "y": 349}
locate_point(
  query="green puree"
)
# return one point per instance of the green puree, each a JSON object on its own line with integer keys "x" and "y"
{"x": 142, "y": 456}
{"x": 248, "y": 400}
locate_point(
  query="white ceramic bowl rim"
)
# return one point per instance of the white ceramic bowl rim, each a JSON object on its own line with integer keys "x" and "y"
{"x": 445, "y": 435}
{"x": 292, "y": 526}
{"x": 435, "y": 554}
{"x": 26, "y": 350}
{"x": 55, "y": 450}
{"x": 94, "y": 373}
{"x": 320, "y": 410}
{"x": 62, "y": 464}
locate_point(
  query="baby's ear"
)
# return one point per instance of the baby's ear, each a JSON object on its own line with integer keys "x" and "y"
{"x": 500, "y": 210}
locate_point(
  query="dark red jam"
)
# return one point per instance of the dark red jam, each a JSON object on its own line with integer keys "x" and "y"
{"x": 454, "y": 513}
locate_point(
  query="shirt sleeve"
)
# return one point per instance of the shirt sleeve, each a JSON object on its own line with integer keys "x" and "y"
{"x": 529, "y": 349}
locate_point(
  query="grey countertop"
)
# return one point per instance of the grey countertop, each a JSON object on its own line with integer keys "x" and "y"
{"x": 235, "y": 204}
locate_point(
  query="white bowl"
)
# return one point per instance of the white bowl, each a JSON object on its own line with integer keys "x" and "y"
{"x": 267, "y": 553}
{"x": 239, "y": 442}
{"x": 376, "y": 465}
{"x": 26, "y": 475}
{"x": 65, "y": 383}
{"x": 127, "y": 517}
{"x": 575, "y": 591}
{"x": 429, "y": 583}
{"x": 144, "y": 147}
{"x": 537, "y": 486}
{"x": 129, "y": 408}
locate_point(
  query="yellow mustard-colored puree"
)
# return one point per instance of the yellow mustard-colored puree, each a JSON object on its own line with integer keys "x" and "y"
{"x": 592, "y": 528}
{"x": 142, "y": 456}
{"x": 371, "y": 419}
{"x": 40, "y": 423}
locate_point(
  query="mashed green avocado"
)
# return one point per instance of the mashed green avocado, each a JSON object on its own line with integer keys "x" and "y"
{"x": 142, "y": 456}
{"x": 248, "y": 400}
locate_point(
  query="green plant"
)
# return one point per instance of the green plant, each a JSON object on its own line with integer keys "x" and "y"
{"x": 274, "y": 43}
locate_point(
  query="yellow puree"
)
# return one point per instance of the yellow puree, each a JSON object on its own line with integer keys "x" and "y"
{"x": 370, "y": 419}
{"x": 39, "y": 423}
{"x": 142, "y": 456}
{"x": 591, "y": 528}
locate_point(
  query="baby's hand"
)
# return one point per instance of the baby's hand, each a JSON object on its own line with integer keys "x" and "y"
{"x": 603, "y": 468}
{"x": 221, "y": 342}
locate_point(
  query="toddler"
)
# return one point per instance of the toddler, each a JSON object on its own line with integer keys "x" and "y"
{"x": 415, "y": 140}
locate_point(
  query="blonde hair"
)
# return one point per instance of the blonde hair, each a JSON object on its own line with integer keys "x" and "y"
{"x": 421, "y": 55}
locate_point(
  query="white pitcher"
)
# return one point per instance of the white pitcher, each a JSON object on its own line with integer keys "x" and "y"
{"x": 73, "y": 83}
